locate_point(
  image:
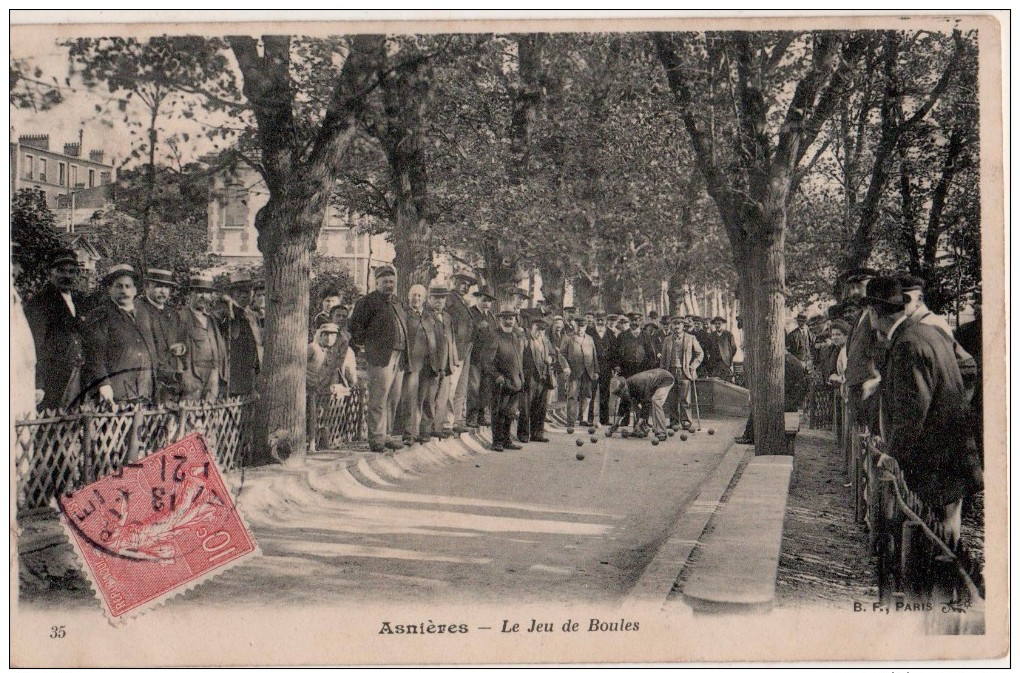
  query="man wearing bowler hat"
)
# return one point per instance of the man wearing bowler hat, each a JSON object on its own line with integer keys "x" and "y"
{"x": 166, "y": 332}
{"x": 605, "y": 348}
{"x": 378, "y": 324}
{"x": 538, "y": 381}
{"x": 479, "y": 390}
{"x": 56, "y": 317}
{"x": 120, "y": 356}
{"x": 455, "y": 416}
{"x": 206, "y": 371}
{"x": 239, "y": 325}
{"x": 862, "y": 376}
{"x": 503, "y": 363}
{"x": 799, "y": 341}
{"x": 724, "y": 347}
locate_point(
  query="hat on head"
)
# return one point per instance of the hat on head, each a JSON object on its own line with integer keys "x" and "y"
{"x": 118, "y": 270}
{"x": 505, "y": 312}
{"x": 384, "y": 270}
{"x": 463, "y": 275}
{"x": 330, "y": 328}
{"x": 858, "y": 274}
{"x": 485, "y": 291}
{"x": 240, "y": 278}
{"x": 677, "y": 319}
{"x": 259, "y": 283}
{"x": 540, "y": 320}
{"x": 558, "y": 317}
{"x": 568, "y": 308}
{"x": 438, "y": 291}
{"x": 885, "y": 293}
{"x": 600, "y": 315}
{"x": 910, "y": 283}
{"x": 521, "y": 292}
{"x": 201, "y": 280}
{"x": 634, "y": 316}
{"x": 63, "y": 258}
{"x": 815, "y": 319}
{"x": 801, "y": 316}
{"x": 613, "y": 316}
{"x": 718, "y": 319}
{"x": 161, "y": 277}
{"x": 841, "y": 325}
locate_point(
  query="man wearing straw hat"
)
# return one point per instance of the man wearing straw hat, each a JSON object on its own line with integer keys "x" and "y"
{"x": 120, "y": 356}
{"x": 166, "y": 330}
{"x": 205, "y": 374}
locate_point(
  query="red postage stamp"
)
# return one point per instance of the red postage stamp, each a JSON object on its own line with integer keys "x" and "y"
{"x": 156, "y": 527}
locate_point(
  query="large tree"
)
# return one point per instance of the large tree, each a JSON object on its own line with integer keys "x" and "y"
{"x": 752, "y": 105}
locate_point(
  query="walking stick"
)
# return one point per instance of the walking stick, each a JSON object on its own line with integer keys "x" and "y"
{"x": 697, "y": 406}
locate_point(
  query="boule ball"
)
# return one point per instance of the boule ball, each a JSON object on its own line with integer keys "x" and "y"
{"x": 683, "y": 436}
{"x": 655, "y": 442}
{"x": 609, "y": 433}
{"x": 570, "y": 430}
{"x": 579, "y": 456}
{"x": 594, "y": 439}
{"x": 591, "y": 431}
{"x": 580, "y": 442}
{"x": 625, "y": 433}
{"x": 711, "y": 431}
{"x": 670, "y": 432}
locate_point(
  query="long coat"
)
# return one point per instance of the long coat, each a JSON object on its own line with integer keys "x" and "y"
{"x": 636, "y": 353}
{"x": 925, "y": 418}
{"x": 691, "y": 354}
{"x": 442, "y": 345}
{"x": 605, "y": 347}
{"x": 538, "y": 359}
{"x": 240, "y": 328}
{"x": 59, "y": 342}
{"x": 798, "y": 342}
{"x": 378, "y": 323}
{"x": 166, "y": 330}
{"x": 205, "y": 349}
{"x": 119, "y": 352}
{"x": 504, "y": 358}
{"x": 462, "y": 322}
{"x": 484, "y": 330}
{"x": 420, "y": 340}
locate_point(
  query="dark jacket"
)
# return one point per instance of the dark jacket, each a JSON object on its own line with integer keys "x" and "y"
{"x": 605, "y": 348}
{"x": 205, "y": 347}
{"x": 166, "y": 330}
{"x": 119, "y": 352}
{"x": 441, "y": 345}
{"x": 799, "y": 342}
{"x": 421, "y": 336}
{"x": 378, "y": 323}
{"x": 462, "y": 322}
{"x": 796, "y": 382}
{"x": 538, "y": 359}
{"x": 58, "y": 337}
{"x": 243, "y": 336}
{"x": 925, "y": 416}
{"x": 636, "y": 353}
{"x": 503, "y": 360}
{"x": 483, "y": 331}
{"x": 641, "y": 386}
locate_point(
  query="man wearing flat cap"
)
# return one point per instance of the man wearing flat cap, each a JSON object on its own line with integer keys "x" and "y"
{"x": 239, "y": 325}
{"x": 166, "y": 332}
{"x": 605, "y": 349}
{"x": 485, "y": 326}
{"x": 379, "y": 325}
{"x": 434, "y": 387}
{"x": 206, "y": 371}
{"x": 503, "y": 363}
{"x": 924, "y": 416}
{"x": 462, "y": 324}
{"x": 56, "y": 317}
{"x": 120, "y": 356}
{"x": 681, "y": 356}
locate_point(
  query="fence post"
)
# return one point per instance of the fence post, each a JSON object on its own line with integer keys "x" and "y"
{"x": 134, "y": 443}
{"x": 87, "y": 468}
{"x": 914, "y": 556}
{"x": 888, "y": 563}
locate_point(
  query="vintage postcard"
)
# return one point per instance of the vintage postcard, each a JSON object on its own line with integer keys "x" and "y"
{"x": 466, "y": 338}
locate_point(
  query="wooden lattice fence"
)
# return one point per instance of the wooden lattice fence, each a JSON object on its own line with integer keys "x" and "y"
{"x": 57, "y": 451}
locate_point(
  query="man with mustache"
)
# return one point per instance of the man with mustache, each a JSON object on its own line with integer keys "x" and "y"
{"x": 166, "y": 336}
{"x": 205, "y": 374}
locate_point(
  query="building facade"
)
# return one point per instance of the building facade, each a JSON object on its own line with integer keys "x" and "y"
{"x": 236, "y": 195}
{"x": 60, "y": 175}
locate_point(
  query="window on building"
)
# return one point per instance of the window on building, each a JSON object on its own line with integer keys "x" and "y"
{"x": 350, "y": 238}
{"x": 74, "y": 177}
{"x": 234, "y": 207}
{"x": 29, "y": 168}
{"x": 62, "y": 173}
{"x": 92, "y": 178}
{"x": 42, "y": 169}
{"x": 104, "y": 178}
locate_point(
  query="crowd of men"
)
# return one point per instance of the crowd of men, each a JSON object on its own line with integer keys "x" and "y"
{"x": 447, "y": 360}
{"x": 907, "y": 377}
{"x": 129, "y": 344}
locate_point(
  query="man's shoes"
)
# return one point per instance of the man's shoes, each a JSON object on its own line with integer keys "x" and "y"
{"x": 540, "y": 439}
{"x": 422, "y": 440}
{"x": 523, "y": 440}
{"x": 687, "y": 425}
{"x": 743, "y": 440}
{"x": 497, "y": 447}
{"x": 472, "y": 425}
{"x": 442, "y": 434}
{"x": 407, "y": 440}
{"x": 393, "y": 444}
{"x": 584, "y": 424}
{"x": 377, "y": 448}
{"x": 510, "y": 446}
{"x": 458, "y": 429}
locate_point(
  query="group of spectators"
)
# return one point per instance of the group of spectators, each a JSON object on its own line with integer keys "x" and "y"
{"x": 907, "y": 377}
{"x": 128, "y": 344}
{"x": 447, "y": 360}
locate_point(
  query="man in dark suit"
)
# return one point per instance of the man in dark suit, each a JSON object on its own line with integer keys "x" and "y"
{"x": 166, "y": 332}
{"x": 120, "y": 356}
{"x": 240, "y": 327}
{"x": 723, "y": 347}
{"x": 538, "y": 378}
{"x": 924, "y": 412}
{"x": 635, "y": 353}
{"x": 503, "y": 363}
{"x": 421, "y": 341}
{"x": 799, "y": 342}
{"x": 56, "y": 317}
{"x": 434, "y": 385}
{"x": 378, "y": 324}
{"x": 605, "y": 348}
{"x": 485, "y": 325}
{"x": 862, "y": 376}
{"x": 463, "y": 325}
{"x": 206, "y": 373}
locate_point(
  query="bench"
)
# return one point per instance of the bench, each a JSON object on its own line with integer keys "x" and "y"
{"x": 737, "y": 568}
{"x": 791, "y": 421}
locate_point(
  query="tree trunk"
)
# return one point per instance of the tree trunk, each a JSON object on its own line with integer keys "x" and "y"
{"x": 150, "y": 196}
{"x": 280, "y": 420}
{"x": 411, "y": 235}
{"x": 552, "y": 282}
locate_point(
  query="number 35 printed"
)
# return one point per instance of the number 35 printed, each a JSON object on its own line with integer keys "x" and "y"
{"x": 57, "y": 632}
